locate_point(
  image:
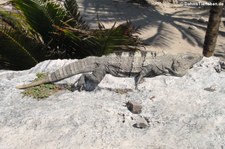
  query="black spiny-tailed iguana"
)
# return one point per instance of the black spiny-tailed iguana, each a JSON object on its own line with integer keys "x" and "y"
{"x": 125, "y": 64}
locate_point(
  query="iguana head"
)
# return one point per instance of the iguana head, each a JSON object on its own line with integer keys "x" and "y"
{"x": 188, "y": 60}
{"x": 183, "y": 63}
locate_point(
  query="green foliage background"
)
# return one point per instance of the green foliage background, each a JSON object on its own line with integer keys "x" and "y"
{"x": 43, "y": 29}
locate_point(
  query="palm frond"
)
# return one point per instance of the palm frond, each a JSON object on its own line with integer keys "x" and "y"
{"x": 76, "y": 43}
{"x": 10, "y": 19}
{"x": 117, "y": 38}
{"x": 72, "y": 9}
{"x": 46, "y": 17}
{"x": 17, "y": 21}
{"x": 14, "y": 45}
{"x": 99, "y": 42}
{"x": 60, "y": 29}
{"x": 39, "y": 15}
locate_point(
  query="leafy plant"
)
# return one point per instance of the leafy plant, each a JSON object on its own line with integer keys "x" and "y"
{"x": 44, "y": 29}
{"x": 42, "y": 91}
{"x": 15, "y": 42}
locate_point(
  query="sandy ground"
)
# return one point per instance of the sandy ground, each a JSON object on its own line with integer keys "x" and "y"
{"x": 165, "y": 27}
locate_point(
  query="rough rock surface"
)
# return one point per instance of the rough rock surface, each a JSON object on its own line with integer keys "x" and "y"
{"x": 180, "y": 113}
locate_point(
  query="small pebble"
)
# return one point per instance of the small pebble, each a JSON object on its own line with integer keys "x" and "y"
{"x": 210, "y": 89}
{"x": 134, "y": 107}
{"x": 141, "y": 123}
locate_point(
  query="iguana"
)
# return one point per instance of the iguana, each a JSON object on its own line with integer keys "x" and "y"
{"x": 125, "y": 64}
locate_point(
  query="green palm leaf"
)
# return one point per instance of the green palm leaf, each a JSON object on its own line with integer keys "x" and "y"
{"x": 117, "y": 38}
{"x": 39, "y": 15}
{"x": 46, "y": 16}
{"x": 59, "y": 30}
{"x": 13, "y": 48}
{"x": 72, "y": 9}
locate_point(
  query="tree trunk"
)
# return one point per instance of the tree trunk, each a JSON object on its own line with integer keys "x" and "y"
{"x": 212, "y": 28}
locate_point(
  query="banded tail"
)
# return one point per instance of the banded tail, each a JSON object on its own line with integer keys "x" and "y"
{"x": 81, "y": 66}
{"x": 36, "y": 83}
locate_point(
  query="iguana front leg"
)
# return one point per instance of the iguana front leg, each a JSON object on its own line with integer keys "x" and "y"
{"x": 149, "y": 71}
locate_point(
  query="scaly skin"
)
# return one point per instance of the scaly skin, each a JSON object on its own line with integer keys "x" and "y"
{"x": 126, "y": 64}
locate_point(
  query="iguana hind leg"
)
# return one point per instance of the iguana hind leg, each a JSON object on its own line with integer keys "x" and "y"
{"x": 89, "y": 82}
{"x": 139, "y": 78}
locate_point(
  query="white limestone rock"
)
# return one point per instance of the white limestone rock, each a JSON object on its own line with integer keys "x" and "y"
{"x": 182, "y": 114}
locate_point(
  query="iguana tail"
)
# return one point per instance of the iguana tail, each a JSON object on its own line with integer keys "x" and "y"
{"x": 81, "y": 66}
{"x": 35, "y": 83}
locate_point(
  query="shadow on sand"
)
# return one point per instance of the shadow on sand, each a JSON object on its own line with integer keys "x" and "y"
{"x": 145, "y": 17}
